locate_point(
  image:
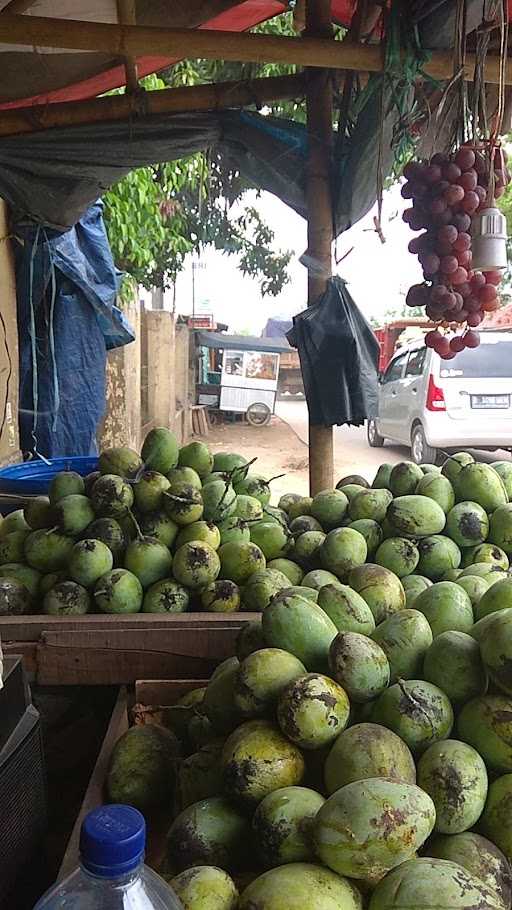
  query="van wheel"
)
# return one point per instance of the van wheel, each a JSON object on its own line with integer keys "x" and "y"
{"x": 375, "y": 440}
{"x": 421, "y": 452}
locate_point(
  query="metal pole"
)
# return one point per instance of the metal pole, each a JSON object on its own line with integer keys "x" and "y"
{"x": 320, "y": 222}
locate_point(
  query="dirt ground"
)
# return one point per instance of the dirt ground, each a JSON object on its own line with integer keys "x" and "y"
{"x": 277, "y": 448}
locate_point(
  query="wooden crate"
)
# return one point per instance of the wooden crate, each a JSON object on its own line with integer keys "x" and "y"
{"x": 118, "y": 650}
{"x": 147, "y": 692}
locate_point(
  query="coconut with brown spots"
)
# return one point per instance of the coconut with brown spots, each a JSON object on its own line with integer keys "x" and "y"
{"x": 249, "y": 639}
{"x": 347, "y": 609}
{"x": 479, "y": 857}
{"x": 416, "y": 516}
{"x": 370, "y": 826}
{"x": 467, "y": 524}
{"x": 405, "y": 638}
{"x": 111, "y": 496}
{"x": 257, "y": 759}
{"x": 454, "y": 775}
{"x": 234, "y": 530}
{"x": 313, "y": 711}
{"x": 221, "y": 597}
{"x": 47, "y": 551}
{"x": 283, "y": 825}
{"x": 381, "y": 589}
{"x": 67, "y": 599}
{"x": 206, "y": 531}
{"x": 343, "y": 550}
{"x": 486, "y": 724}
{"x": 15, "y": 599}
{"x": 418, "y": 883}
{"x": 239, "y": 559}
{"x": 306, "y": 549}
{"x": 184, "y": 505}
{"x": 261, "y": 679}
{"x": 364, "y": 751}
{"x": 501, "y": 528}
{"x": 291, "y": 569}
{"x": 205, "y": 888}
{"x": 297, "y": 886}
{"x": 142, "y": 768}
{"x": 210, "y": 832}
{"x": 415, "y": 710}
{"x": 438, "y": 554}
{"x": 301, "y": 627}
{"x": 166, "y": 596}
{"x": 195, "y": 565}
{"x": 404, "y": 478}
{"x": 262, "y": 587}
{"x": 359, "y": 665}
{"x": 200, "y": 775}
{"x": 399, "y": 555}
{"x": 371, "y": 504}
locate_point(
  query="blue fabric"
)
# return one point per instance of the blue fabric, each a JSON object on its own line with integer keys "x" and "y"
{"x": 67, "y": 319}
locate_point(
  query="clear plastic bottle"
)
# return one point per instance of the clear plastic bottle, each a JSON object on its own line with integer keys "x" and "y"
{"x": 112, "y": 874}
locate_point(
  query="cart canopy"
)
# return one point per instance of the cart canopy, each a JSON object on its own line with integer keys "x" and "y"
{"x": 242, "y": 343}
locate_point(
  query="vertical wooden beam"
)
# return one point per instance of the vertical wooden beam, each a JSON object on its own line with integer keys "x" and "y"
{"x": 320, "y": 221}
{"x": 127, "y": 16}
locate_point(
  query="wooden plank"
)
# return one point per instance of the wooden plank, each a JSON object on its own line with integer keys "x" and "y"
{"x": 137, "y": 40}
{"x": 164, "y": 691}
{"x": 30, "y": 628}
{"x": 114, "y": 657}
{"x": 26, "y": 650}
{"x": 94, "y": 794}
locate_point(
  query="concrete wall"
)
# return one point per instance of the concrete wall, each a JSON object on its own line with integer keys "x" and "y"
{"x": 9, "y": 368}
{"x": 147, "y": 381}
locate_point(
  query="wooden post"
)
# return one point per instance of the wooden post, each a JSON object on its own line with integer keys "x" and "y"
{"x": 320, "y": 222}
{"x": 127, "y": 16}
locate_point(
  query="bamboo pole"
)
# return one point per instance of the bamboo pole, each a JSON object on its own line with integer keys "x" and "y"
{"x": 138, "y": 40}
{"x": 127, "y": 16}
{"x": 218, "y": 96}
{"x": 320, "y": 221}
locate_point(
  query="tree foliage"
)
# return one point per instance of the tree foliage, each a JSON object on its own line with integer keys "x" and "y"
{"x": 157, "y": 215}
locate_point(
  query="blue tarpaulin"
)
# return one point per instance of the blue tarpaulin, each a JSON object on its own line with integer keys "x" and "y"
{"x": 67, "y": 320}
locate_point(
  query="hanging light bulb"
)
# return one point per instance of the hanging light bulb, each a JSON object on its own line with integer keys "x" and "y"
{"x": 489, "y": 240}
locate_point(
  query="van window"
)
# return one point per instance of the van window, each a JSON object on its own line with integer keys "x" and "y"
{"x": 416, "y": 362}
{"x": 489, "y": 361}
{"x": 395, "y": 369}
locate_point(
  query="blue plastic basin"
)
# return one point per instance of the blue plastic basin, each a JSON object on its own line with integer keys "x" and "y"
{"x": 32, "y": 478}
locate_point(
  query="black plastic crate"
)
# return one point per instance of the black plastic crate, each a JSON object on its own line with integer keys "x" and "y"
{"x": 23, "y": 799}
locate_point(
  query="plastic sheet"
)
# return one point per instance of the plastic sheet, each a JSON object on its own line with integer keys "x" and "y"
{"x": 339, "y": 357}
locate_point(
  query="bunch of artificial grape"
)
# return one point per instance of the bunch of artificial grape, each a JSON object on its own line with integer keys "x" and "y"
{"x": 446, "y": 193}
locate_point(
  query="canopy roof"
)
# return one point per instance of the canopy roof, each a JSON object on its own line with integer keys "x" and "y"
{"x": 242, "y": 343}
{"x": 39, "y": 75}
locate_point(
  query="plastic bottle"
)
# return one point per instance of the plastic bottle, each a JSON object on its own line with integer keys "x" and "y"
{"x": 112, "y": 874}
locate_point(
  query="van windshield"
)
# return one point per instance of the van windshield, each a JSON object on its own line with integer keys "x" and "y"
{"x": 490, "y": 361}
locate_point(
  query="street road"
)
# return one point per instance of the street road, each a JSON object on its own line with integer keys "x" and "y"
{"x": 352, "y": 454}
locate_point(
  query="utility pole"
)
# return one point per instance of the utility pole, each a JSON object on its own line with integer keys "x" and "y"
{"x": 320, "y": 216}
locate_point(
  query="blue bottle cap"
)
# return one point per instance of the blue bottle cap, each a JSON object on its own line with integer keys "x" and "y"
{"x": 112, "y": 840}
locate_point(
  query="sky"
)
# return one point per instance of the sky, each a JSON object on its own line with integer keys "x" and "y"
{"x": 378, "y": 275}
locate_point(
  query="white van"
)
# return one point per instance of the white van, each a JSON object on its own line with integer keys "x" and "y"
{"x": 431, "y": 404}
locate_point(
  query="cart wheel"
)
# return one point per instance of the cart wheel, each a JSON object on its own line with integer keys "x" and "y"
{"x": 214, "y": 418}
{"x": 258, "y": 414}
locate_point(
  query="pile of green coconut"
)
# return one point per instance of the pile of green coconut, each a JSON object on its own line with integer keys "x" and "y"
{"x": 357, "y": 750}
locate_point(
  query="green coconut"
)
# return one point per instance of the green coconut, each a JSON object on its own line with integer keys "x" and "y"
{"x": 399, "y": 555}
{"x": 437, "y": 556}
{"x": 239, "y": 560}
{"x": 196, "y": 455}
{"x": 295, "y": 886}
{"x": 89, "y": 560}
{"x": 256, "y": 486}
{"x": 205, "y": 888}
{"x": 438, "y": 488}
{"x": 301, "y": 627}
{"x": 417, "y": 882}
{"x": 67, "y": 599}
{"x": 283, "y": 823}
{"x": 199, "y": 775}
{"x": 371, "y": 531}
{"x": 302, "y": 506}
{"x": 312, "y": 711}
{"x": 370, "y": 504}
{"x": 329, "y": 508}
{"x": 483, "y": 484}
{"x": 219, "y": 699}
{"x": 447, "y": 607}
{"x": 413, "y": 585}
{"x": 256, "y": 760}
{"x": 221, "y": 597}
{"x": 219, "y": 501}
{"x": 347, "y": 609}
{"x": 453, "y": 663}
{"x": 416, "y": 516}
{"x": 141, "y": 770}
{"x": 196, "y": 565}
{"x": 12, "y": 546}
{"x": 417, "y": 711}
{"x": 343, "y": 550}
{"x": 160, "y": 450}
{"x": 485, "y": 723}
{"x": 467, "y": 524}
{"x": 261, "y": 588}
{"x": 160, "y": 527}
{"x": 119, "y": 460}
{"x": 38, "y": 513}
{"x": 72, "y": 514}
{"x": 47, "y": 551}
{"x": 248, "y": 507}
{"x": 148, "y": 491}
{"x": 318, "y": 578}
{"x": 272, "y": 539}
{"x": 405, "y": 638}
{"x": 148, "y": 559}
{"x": 474, "y": 587}
{"x": 119, "y": 591}
{"x": 381, "y": 589}
{"x": 300, "y": 591}
{"x": 178, "y": 477}
{"x": 496, "y": 650}
{"x": 111, "y": 496}
{"x": 14, "y": 521}
{"x": 479, "y": 857}
{"x": 496, "y": 821}
{"x": 370, "y": 826}
{"x": 184, "y": 505}
{"x": 306, "y": 551}
{"x": 206, "y": 531}
{"x": 234, "y": 530}
{"x": 504, "y": 469}
{"x": 351, "y": 490}
{"x": 65, "y": 483}
{"x": 366, "y": 751}
{"x": 454, "y": 776}
{"x": 29, "y": 577}
{"x": 110, "y": 532}
{"x": 166, "y": 596}
{"x": 249, "y": 639}
{"x": 261, "y": 679}
{"x": 359, "y": 665}
{"x": 287, "y": 500}
{"x": 15, "y": 599}
{"x": 210, "y": 832}
{"x": 500, "y": 531}
{"x": 382, "y": 477}
{"x": 497, "y": 597}
{"x": 488, "y": 552}
{"x": 292, "y": 570}
{"x": 304, "y": 523}
{"x": 453, "y": 465}
{"x": 404, "y": 478}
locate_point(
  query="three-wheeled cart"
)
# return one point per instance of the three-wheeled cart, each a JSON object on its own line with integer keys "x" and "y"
{"x": 238, "y": 374}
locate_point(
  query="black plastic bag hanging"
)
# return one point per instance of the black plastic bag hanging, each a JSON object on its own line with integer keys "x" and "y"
{"x": 339, "y": 357}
